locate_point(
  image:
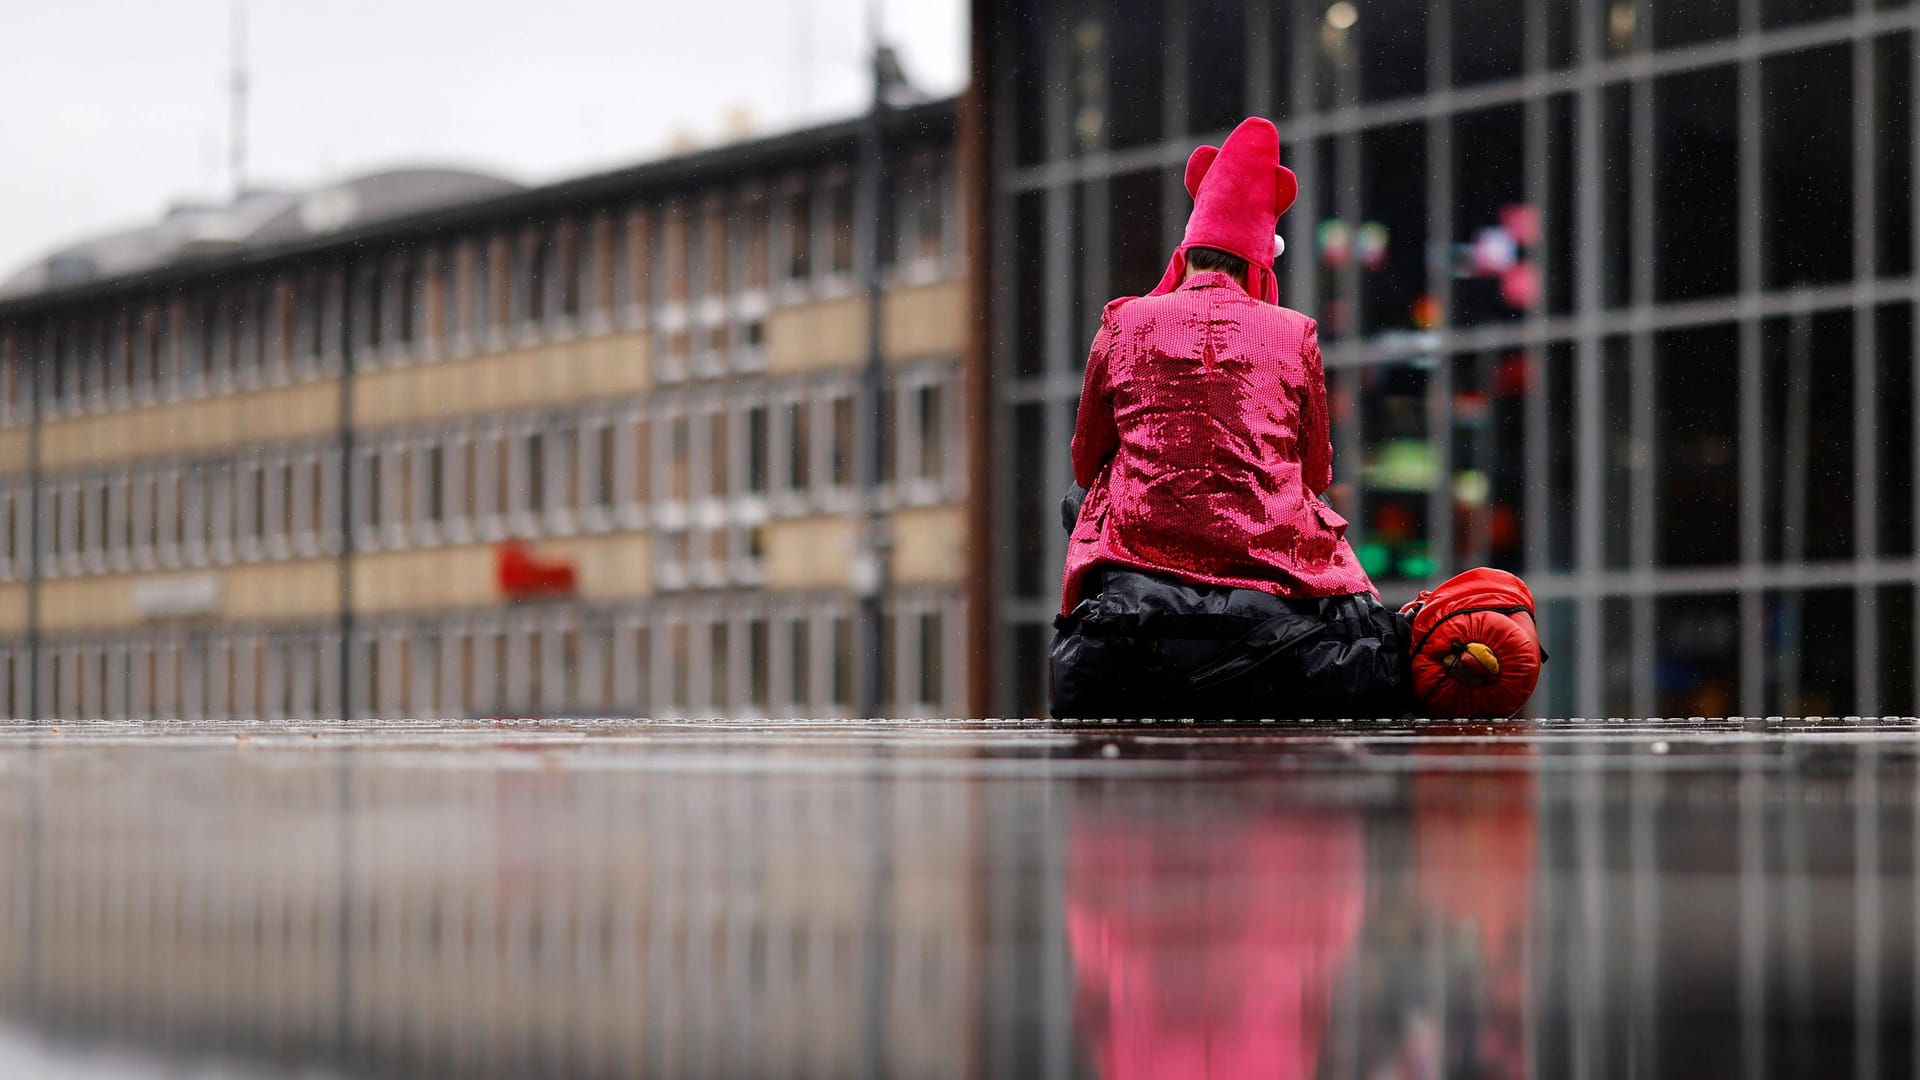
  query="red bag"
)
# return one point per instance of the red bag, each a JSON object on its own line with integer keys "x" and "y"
{"x": 1476, "y": 650}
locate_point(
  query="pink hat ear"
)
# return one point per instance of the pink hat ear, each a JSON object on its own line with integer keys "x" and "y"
{"x": 1197, "y": 167}
{"x": 1286, "y": 188}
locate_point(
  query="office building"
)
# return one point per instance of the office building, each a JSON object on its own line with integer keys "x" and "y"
{"x": 427, "y": 444}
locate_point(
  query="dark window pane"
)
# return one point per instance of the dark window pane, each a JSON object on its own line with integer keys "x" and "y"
{"x": 1084, "y": 293}
{"x": 1617, "y": 656}
{"x": 1030, "y": 669}
{"x": 1320, "y": 197}
{"x": 1696, "y": 148}
{"x": 1893, "y": 393}
{"x": 1623, "y": 454}
{"x": 1030, "y": 499}
{"x": 1029, "y": 52}
{"x": 1389, "y": 43}
{"x": 1135, "y": 78}
{"x": 1487, "y": 38}
{"x": 1085, "y": 78}
{"x": 1893, "y": 155}
{"x": 1807, "y": 389}
{"x": 932, "y": 653}
{"x": 1471, "y": 438}
{"x": 1698, "y": 671}
{"x": 1280, "y": 30}
{"x": 1393, "y": 178}
{"x": 1809, "y": 661}
{"x": 1490, "y": 457}
{"x": 1620, "y": 27}
{"x": 757, "y": 450}
{"x": 1507, "y": 384}
{"x": 1619, "y": 183}
{"x": 800, "y": 661}
{"x": 1784, "y": 12}
{"x": 1700, "y": 20}
{"x": 1333, "y": 67}
{"x": 1398, "y": 469}
{"x": 1027, "y": 267}
{"x": 1559, "y": 209}
{"x": 1217, "y": 62}
{"x": 1696, "y": 416}
{"x": 1489, "y": 182}
{"x": 1895, "y": 661}
{"x": 1560, "y": 43}
{"x": 1807, "y": 167}
{"x": 1559, "y": 692}
{"x": 1562, "y": 467}
{"x": 1133, "y": 231}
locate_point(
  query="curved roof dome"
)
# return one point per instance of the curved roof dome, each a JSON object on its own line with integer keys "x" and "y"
{"x": 256, "y": 219}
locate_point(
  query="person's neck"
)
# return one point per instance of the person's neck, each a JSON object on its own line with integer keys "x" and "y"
{"x": 1191, "y": 274}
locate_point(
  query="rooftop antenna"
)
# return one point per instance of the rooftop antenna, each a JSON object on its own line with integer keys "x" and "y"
{"x": 237, "y": 101}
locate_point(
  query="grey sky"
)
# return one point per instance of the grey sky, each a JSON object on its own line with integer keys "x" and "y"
{"x": 110, "y": 110}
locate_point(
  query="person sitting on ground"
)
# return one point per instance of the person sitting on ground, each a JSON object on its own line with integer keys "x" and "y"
{"x": 1205, "y": 574}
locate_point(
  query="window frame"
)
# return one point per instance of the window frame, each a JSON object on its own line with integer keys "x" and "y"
{"x": 597, "y": 459}
{"x": 634, "y": 477}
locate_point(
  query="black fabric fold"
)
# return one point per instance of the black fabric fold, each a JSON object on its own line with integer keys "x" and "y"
{"x": 1144, "y": 645}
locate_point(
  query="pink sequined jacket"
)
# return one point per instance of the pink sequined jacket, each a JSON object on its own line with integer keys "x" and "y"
{"x": 1203, "y": 443}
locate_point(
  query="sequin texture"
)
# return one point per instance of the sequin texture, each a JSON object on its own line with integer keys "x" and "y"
{"x": 1203, "y": 442}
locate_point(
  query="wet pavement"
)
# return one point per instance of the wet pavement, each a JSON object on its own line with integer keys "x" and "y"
{"x": 925, "y": 899}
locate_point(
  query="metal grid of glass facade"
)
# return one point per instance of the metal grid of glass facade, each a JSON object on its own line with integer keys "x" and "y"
{"x": 1615, "y": 295}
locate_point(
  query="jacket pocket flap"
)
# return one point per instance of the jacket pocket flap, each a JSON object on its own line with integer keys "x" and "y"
{"x": 1328, "y": 516}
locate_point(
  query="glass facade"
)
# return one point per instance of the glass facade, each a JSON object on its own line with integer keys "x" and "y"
{"x": 1615, "y": 295}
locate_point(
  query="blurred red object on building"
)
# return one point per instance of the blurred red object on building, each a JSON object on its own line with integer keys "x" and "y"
{"x": 1522, "y": 222}
{"x": 1512, "y": 375}
{"x": 1426, "y": 311}
{"x": 518, "y": 573}
{"x": 1520, "y": 286}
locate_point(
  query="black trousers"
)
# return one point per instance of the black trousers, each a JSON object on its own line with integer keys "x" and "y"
{"x": 1142, "y": 645}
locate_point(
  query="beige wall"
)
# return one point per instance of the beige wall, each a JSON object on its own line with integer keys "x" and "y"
{"x": 551, "y": 374}
{"x": 925, "y": 320}
{"x": 608, "y": 567}
{"x": 13, "y": 449}
{"x": 929, "y": 547}
{"x": 815, "y": 337}
{"x": 810, "y": 553}
{"x": 299, "y": 589}
{"x": 920, "y": 320}
{"x": 804, "y": 553}
{"x": 517, "y": 378}
{"x": 13, "y": 608}
{"x": 260, "y": 416}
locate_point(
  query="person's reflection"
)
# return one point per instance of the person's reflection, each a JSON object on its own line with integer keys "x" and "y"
{"x": 1206, "y": 938}
{"x": 1222, "y": 932}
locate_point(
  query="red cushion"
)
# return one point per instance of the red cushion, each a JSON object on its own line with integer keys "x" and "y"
{"x": 1476, "y": 651}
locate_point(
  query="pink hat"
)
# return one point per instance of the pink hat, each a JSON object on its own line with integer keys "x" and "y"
{"x": 1239, "y": 192}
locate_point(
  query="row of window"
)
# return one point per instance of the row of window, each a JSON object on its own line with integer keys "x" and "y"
{"x": 265, "y": 504}
{"x": 703, "y": 272}
{"x": 749, "y": 655}
{"x": 704, "y": 469}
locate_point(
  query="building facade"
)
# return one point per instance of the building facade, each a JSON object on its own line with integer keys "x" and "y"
{"x": 275, "y": 479}
{"x": 1617, "y": 295}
